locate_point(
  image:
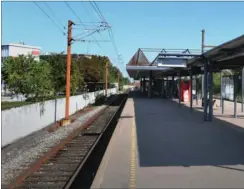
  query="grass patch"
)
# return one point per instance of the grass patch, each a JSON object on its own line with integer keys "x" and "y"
{"x": 45, "y": 98}
{"x": 9, "y": 105}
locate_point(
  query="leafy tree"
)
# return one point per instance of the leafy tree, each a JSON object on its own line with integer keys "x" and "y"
{"x": 24, "y": 75}
{"x": 216, "y": 83}
{"x": 58, "y": 70}
{"x": 41, "y": 79}
{"x": 76, "y": 78}
{"x": 83, "y": 69}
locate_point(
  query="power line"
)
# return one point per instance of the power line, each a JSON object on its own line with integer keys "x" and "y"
{"x": 113, "y": 42}
{"x": 54, "y": 14}
{"x": 104, "y": 20}
{"x": 86, "y": 35}
{"x": 86, "y": 10}
{"x": 94, "y": 30}
{"x": 80, "y": 20}
{"x": 74, "y": 13}
{"x": 110, "y": 32}
{"x": 49, "y": 18}
{"x": 99, "y": 11}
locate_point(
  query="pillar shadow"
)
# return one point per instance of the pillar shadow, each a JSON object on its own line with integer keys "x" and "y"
{"x": 169, "y": 135}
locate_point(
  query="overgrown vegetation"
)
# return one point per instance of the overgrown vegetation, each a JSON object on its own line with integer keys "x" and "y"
{"x": 43, "y": 80}
{"x": 100, "y": 99}
{"x": 8, "y": 105}
{"x": 24, "y": 75}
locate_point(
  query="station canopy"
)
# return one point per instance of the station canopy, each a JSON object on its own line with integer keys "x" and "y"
{"x": 168, "y": 62}
{"x": 165, "y": 62}
{"x": 229, "y": 55}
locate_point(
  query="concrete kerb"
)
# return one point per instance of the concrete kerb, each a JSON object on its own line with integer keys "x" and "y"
{"x": 54, "y": 150}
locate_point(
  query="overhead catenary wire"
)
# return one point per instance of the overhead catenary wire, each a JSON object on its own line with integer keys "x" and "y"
{"x": 57, "y": 26}
{"x": 74, "y": 13}
{"x": 94, "y": 30}
{"x": 45, "y": 3}
{"x": 87, "y": 12}
{"x": 89, "y": 34}
{"x": 110, "y": 32}
{"x": 80, "y": 20}
{"x": 100, "y": 12}
{"x": 97, "y": 11}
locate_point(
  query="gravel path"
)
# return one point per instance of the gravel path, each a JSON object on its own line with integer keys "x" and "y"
{"x": 20, "y": 155}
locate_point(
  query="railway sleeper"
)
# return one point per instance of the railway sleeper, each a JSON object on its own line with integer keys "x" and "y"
{"x": 81, "y": 145}
{"x": 67, "y": 155}
{"x": 77, "y": 139}
{"x": 64, "y": 167}
{"x": 65, "y": 161}
{"x": 73, "y": 149}
{"x": 43, "y": 185}
{"x": 58, "y": 173}
{"x": 70, "y": 159}
{"x": 46, "y": 178}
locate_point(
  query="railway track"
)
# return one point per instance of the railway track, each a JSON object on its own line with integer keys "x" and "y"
{"x": 75, "y": 165}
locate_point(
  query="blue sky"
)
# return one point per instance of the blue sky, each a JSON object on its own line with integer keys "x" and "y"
{"x": 134, "y": 24}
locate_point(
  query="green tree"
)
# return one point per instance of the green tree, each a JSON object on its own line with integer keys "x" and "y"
{"x": 58, "y": 72}
{"x": 216, "y": 83}
{"x": 24, "y": 75}
{"x": 41, "y": 79}
{"x": 76, "y": 77}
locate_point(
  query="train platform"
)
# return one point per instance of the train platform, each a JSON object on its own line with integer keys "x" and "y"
{"x": 156, "y": 144}
{"x": 227, "y": 117}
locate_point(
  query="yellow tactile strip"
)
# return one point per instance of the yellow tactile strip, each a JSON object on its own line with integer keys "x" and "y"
{"x": 133, "y": 156}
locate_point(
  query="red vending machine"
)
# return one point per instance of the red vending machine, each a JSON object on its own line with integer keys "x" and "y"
{"x": 185, "y": 91}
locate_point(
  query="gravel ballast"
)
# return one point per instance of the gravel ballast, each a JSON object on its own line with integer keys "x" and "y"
{"x": 26, "y": 151}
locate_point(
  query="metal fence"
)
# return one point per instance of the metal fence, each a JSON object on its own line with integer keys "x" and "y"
{"x": 228, "y": 87}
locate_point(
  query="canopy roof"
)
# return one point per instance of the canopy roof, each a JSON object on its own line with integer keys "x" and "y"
{"x": 229, "y": 55}
{"x": 165, "y": 62}
{"x": 168, "y": 62}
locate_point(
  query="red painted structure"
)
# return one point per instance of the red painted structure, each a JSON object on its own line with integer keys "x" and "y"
{"x": 185, "y": 95}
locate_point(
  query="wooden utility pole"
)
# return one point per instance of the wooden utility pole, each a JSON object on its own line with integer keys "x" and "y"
{"x": 70, "y": 23}
{"x": 106, "y": 79}
{"x": 118, "y": 82}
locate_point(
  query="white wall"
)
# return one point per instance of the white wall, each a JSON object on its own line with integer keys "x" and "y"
{"x": 22, "y": 50}
{"x": 22, "y": 121}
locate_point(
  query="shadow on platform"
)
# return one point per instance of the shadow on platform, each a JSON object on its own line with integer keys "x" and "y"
{"x": 230, "y": 116}
{"x": 169, "y": 135}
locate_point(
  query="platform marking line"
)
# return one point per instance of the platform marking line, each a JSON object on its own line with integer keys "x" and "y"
{"x": 133, "y": 156}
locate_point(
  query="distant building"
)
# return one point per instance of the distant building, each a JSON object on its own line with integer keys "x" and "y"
{"x": 16, "y": 49}
{"x": 73, "y": 55}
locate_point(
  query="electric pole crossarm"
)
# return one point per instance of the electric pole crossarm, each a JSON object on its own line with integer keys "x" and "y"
{"x": 90, "y": 41}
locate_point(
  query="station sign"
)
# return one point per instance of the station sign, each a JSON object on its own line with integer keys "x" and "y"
{"x": 171, "y": 62}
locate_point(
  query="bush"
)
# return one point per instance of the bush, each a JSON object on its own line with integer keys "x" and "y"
{"x": 24, "y": 75}
{"x": 42, "y": 98}
{"x": 100, "y": 99}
